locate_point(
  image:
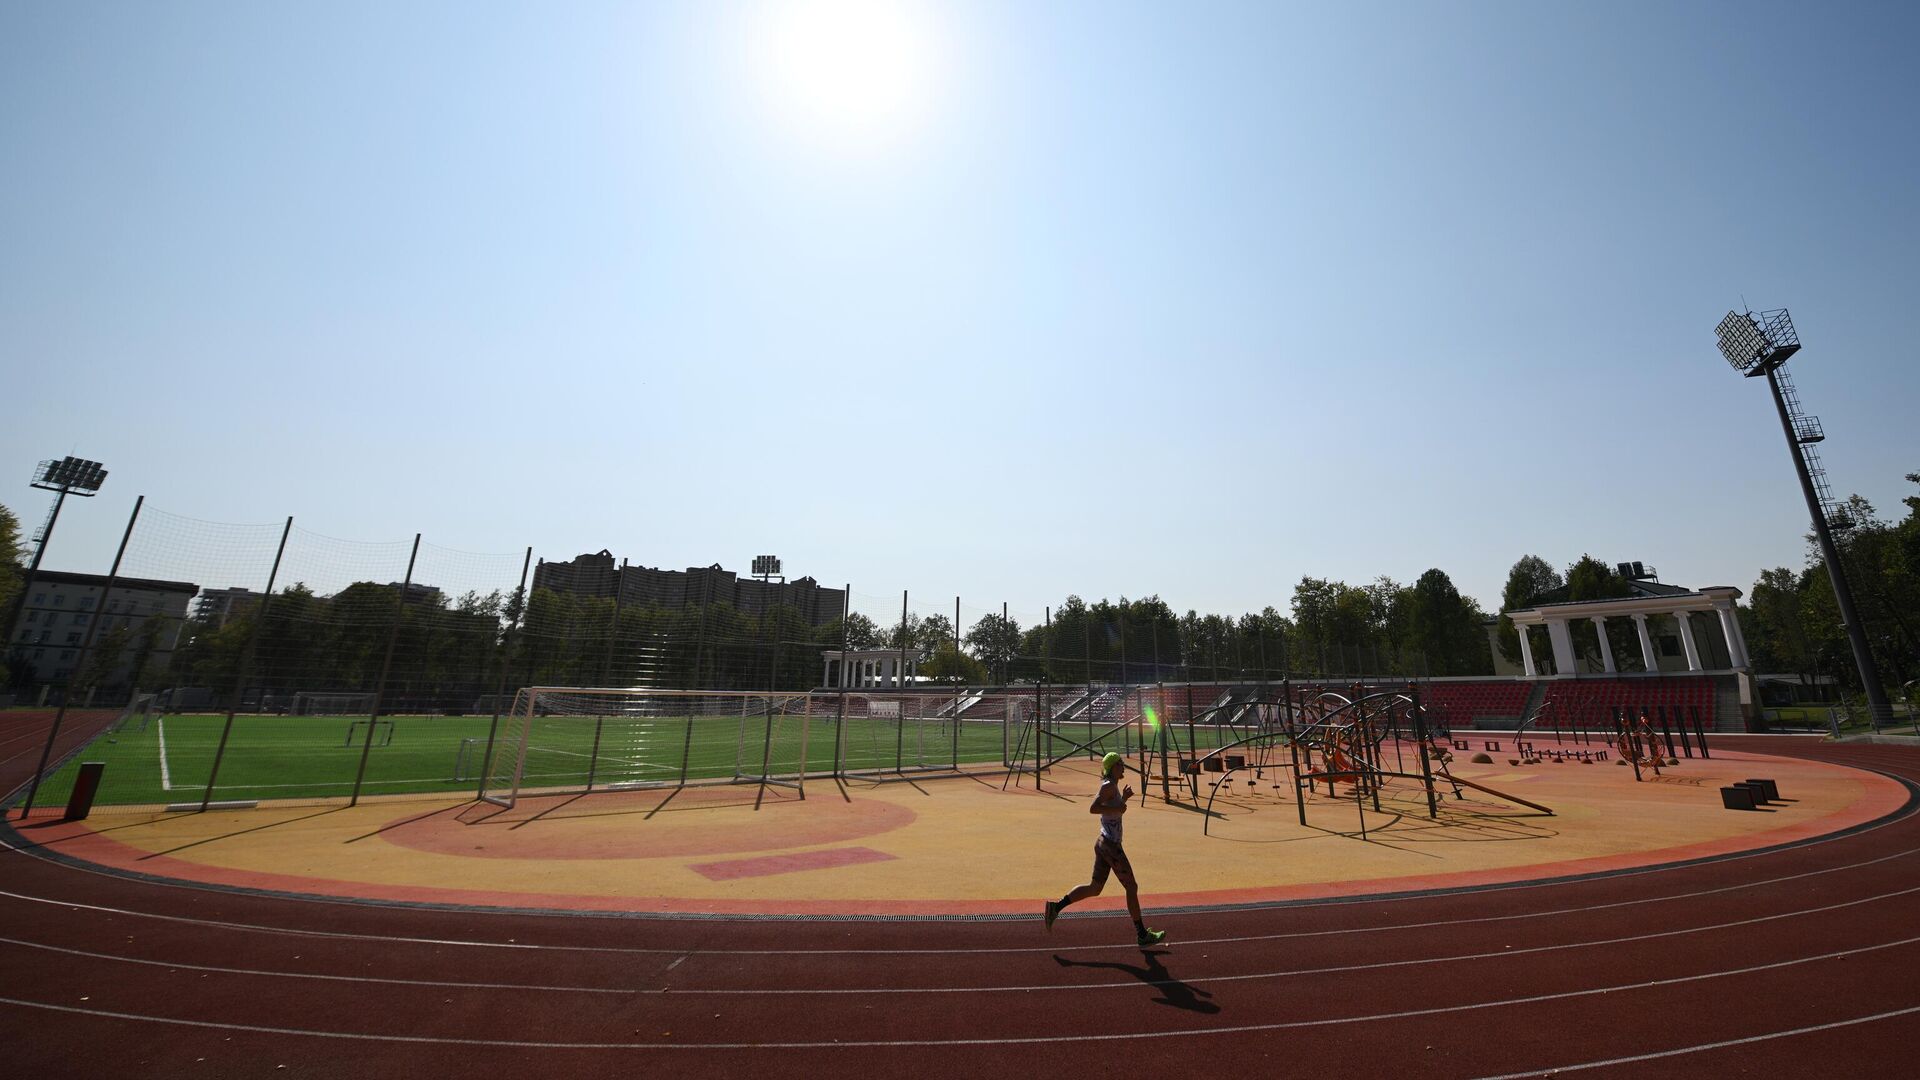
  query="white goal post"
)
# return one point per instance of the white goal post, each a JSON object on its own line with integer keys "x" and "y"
{"x": 567, "y": 739}
{"x": 328, "y": 703}
{"x": 558, "y": 740}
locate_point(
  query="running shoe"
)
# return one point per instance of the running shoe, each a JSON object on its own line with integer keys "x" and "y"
{"x": 1053, "y": 912}
{"x": 1149, "y": 938}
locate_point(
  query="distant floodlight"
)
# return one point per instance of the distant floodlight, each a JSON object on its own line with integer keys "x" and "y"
{"x": 75, "y": 476}
{"x": 766, "y": 566}
{"x": 1757, "y": 343}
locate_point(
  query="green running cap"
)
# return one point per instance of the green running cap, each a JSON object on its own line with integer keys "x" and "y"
{"x": 1109, "y": 763}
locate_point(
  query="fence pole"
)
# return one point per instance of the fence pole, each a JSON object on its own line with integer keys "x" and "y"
{"x": 1039, "y": 727}
{"x": 1086, "y": 644}
{"x": 246, "y": 663}
{"x": 957, "y": 695}
{"x": 386, "y": 667}
{"x": 506, "y": 664}
{"x": 840, "y": 720}
{"x": 899, "y": 722}
{"x": 80, "y": 664}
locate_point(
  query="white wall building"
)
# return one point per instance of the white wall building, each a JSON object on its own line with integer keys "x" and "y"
{"x": 59, "y": 610}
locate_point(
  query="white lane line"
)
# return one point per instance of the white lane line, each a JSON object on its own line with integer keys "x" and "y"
{"x": 1020, "y": 989}
{"x": 1750, "y": 1039}
{"x": 1239, "y": 1029}
{"x": 166, "y": 780}
{"x": 1231, "y": 940}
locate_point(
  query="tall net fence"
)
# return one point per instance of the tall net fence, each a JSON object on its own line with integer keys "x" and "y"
{"x": 220, "y": 663}
{"x": 267, "y": 661}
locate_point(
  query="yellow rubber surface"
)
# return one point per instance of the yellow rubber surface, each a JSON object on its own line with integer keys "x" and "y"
{"x": 964, "y": 846}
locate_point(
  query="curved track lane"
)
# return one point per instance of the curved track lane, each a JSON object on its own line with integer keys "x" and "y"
{"x": 1794, "y": 960}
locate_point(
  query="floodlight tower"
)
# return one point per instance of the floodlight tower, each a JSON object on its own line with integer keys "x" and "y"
{"x": 68, "y": 476}
{"x": 1759, "y": 343}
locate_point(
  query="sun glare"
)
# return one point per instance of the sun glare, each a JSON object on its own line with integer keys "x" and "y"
{"x": 848, "y": 72}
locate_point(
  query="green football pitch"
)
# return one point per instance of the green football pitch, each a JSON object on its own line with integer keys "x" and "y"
{"x": 170, "y": 759}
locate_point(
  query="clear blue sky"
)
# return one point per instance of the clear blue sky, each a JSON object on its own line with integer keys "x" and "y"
{"x": 1006, "y": 300}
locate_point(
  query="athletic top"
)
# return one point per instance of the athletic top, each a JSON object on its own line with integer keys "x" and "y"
{"x": 1110, "y": 819}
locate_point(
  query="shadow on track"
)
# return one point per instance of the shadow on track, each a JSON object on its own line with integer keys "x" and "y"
{"x": 1172, "y": 991}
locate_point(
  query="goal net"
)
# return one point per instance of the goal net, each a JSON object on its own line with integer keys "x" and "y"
{"x": 137, "y": 715}
{"x": 557, "y": 740}
{"x": 566, "y": 740}
{"x": 308, "y": 703}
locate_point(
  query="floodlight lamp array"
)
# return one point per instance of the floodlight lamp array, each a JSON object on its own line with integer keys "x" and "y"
{"x": 1756, "y": 343}
{"x": 74, "y": 475}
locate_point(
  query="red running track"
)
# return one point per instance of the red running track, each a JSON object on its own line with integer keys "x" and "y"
{"x": 1792, "y": 962}
{"x": 23, "y": 739}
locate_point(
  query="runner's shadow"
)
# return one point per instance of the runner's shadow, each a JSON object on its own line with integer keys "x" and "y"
{"x": 1172, "y": 991}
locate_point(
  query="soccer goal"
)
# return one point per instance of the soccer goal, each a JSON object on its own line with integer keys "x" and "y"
{"x": 137, "y": 715}
{"x": 311, "y": 703}
{"x": 559, "y": 740}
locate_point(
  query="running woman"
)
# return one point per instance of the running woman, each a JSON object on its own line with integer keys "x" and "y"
{"x": 1108, "y": 857}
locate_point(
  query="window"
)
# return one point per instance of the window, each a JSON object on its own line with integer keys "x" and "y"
{"x": 45, "y": 634}
{"x": 1669, "y": 645}
{"x": 86, "y": 603}
{"x": 33, "y": 616}
{"x": 60, "y": 600}
{"x": 39, "y": 598}
{"x": 66, "y": 654}
{"x": 113, "y": 605}
{"x": 80, "y": 618}
{"x": 73, "y": 638}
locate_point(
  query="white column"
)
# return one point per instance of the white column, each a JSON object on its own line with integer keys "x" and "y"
{"x": 1606, "y": 647}
{"x": 1730, "y": 626}
{"x": 890, "y": 674}
{"x": 1526, "y": 651}
{"x": 1562, "y": 646}
{"x": 1646, "y": 643}
{"x": 1686, "y": 641}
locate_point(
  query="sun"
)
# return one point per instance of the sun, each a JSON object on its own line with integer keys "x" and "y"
{"x": 846, "y": 72}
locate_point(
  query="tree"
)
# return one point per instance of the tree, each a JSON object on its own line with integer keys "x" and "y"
{"x": 1530, "y": 579}
{"x": 12, "y": 575}
{"x": 933, "y": 632}
{"x": 860, "y": 632}
{"x": 949, "y": 664}
{"x": 995, "y": 640}
{"x": 1445, "y": 627}
{"x": 1590, "y": 579}
{"x": 1777, "y": 633}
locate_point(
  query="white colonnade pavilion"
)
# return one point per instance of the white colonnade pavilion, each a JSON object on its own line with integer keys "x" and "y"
{"x": 858, "y": 668}
{"x": 1651, "y": 615}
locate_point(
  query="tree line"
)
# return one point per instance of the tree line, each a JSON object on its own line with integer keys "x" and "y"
{"x": 1792, "y": 623}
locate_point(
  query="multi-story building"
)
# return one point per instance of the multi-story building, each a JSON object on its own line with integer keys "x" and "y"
{"x": 216, "y": 606}
{"x": 140, "y": 625}
{"x": 599, "y": 574}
